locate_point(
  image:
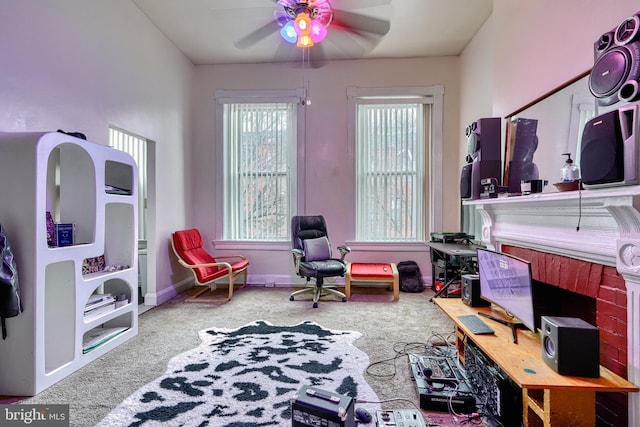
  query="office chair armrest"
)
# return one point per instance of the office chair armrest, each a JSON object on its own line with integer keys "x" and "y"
{"x": 297, "y": 256}
{"x": 344, "y": 250}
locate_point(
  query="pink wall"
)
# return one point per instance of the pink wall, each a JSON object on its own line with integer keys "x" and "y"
{"x": 328, "y": 161}
{"x": 540, "y": 44}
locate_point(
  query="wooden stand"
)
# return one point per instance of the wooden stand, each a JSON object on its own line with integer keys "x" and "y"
{"x": 549, "y": 399}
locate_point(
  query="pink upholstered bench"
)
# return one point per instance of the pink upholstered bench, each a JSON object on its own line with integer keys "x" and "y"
{"x": 371, "y": 272}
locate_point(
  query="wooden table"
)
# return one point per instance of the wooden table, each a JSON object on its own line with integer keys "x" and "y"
{"x": 549, "y": 399}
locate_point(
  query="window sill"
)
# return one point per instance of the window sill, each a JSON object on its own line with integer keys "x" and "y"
{"x": 388, "y": 246}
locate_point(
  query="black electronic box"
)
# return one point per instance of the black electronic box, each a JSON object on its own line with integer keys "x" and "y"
{"x": 440, "y": 384}
{"x": 313, "y": 407}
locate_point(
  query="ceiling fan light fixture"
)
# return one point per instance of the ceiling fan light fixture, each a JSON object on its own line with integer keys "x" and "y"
{"x": 318, "y": 31}
{"x": 302, "y": 23}
{"x": 288, "y": 32}
{"x": 304, "y": 41}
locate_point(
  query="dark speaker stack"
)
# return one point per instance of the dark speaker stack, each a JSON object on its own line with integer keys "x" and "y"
{"x": 571, "y": 346}
{"x": 616, "y": 70}
{"x": 484, "y": 157}
{"x": 609, "y": 149}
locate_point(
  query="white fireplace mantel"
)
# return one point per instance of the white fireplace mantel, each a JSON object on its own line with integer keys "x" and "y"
{"x": 595, "y": 225}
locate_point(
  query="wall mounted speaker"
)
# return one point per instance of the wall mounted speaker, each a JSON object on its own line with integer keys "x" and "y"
{"x": 465, "y": 181}
{"x": 616, "y": 70}
{"x": 471, "y": 291}
{"x": 609, "y": 148}
{"x": 571, "y": 346}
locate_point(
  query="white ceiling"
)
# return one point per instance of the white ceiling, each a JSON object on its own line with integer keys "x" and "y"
{"x": 207, "y": 31}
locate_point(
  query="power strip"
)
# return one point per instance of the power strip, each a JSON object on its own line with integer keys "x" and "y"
{"x": 400, "y": 418}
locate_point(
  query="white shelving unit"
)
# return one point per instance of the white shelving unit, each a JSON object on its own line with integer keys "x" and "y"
{"x": 66, "y": 176}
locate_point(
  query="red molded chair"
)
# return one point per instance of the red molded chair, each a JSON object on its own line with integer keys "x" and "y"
{"x": 206, "y": 269}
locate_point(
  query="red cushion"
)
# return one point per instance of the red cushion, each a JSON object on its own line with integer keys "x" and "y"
{"x": 359, "y": 269}
{"x": 188, "y": 244}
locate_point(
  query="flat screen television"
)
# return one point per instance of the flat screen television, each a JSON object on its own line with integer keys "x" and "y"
{"x": 505, "y": 281}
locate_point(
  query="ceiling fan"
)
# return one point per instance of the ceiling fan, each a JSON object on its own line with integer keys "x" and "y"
{"x": 306, "y": 23}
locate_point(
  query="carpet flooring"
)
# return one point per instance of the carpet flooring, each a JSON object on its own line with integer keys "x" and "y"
{"x": 389, "y": 331}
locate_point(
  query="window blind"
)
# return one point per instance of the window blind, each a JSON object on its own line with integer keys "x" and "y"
{"x": 390, "y": 162}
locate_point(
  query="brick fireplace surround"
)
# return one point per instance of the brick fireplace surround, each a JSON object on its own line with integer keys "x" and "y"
{"x": 586, "y": 243}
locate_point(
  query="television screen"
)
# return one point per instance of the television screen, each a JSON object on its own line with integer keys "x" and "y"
{"x": 505, "y": 280}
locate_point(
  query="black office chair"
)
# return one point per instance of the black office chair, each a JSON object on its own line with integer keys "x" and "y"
{"x": 311, "y": 252}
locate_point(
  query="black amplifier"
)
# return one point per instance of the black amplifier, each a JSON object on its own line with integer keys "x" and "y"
{"x": 450, "y": 237}
{"x": 314, "y": 407}
{"x": 440, "y": 385}
{"x": 502, "y": 397}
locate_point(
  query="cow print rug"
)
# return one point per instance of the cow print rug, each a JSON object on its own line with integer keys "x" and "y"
{"x": 247, "y": 377}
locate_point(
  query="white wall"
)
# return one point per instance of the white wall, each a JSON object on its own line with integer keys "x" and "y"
{"x": 540, "y": 44}
{"x": 476, "y": 81}
{"x": 80, "y": 66}
{"x": 329, "y": 184}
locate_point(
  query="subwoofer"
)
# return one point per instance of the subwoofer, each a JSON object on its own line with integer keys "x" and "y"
{"x": 609, "y": 148}
{"x": 616, "y": 70}
{"x": 471, "y": 291}
{"x": 571, "y": 346}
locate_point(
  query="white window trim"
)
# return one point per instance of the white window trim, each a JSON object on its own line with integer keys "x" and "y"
{"x": 433, "y": 95}
{"x": 261, "y": 96}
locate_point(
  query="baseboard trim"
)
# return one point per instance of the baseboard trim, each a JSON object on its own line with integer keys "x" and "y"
{"x": 157, "y": 298}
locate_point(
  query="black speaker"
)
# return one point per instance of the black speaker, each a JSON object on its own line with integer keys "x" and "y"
{"x": 483, "y": 147}
{"x": 571, "y": 346}
{"x": 609, "y": 149}
{"x": 616, "y": 68}
{"x": 465, "y": 181}
{"x": 471, "y": 291}
{"x": 484, "y": 139}
{"x": 601, "y": 154}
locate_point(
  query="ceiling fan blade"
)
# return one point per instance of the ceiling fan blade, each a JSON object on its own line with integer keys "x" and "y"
{"x": 258, "y": 35}
{"x": 346, "y": 44}
{"x": 359, "y": 23}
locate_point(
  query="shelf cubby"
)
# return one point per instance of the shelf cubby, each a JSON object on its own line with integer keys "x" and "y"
{"x": 66, "y": 176}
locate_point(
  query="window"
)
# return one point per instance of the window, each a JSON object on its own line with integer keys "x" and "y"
{"x": 259, "y": 153}
{"x": 389, "y": 172}
{"x": 398, "y": 152}
{"x": 136, "y": 147}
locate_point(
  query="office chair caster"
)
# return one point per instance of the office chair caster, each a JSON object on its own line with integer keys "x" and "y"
{"x": 315, "y": 305}
{"x": 291, "y": 299}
